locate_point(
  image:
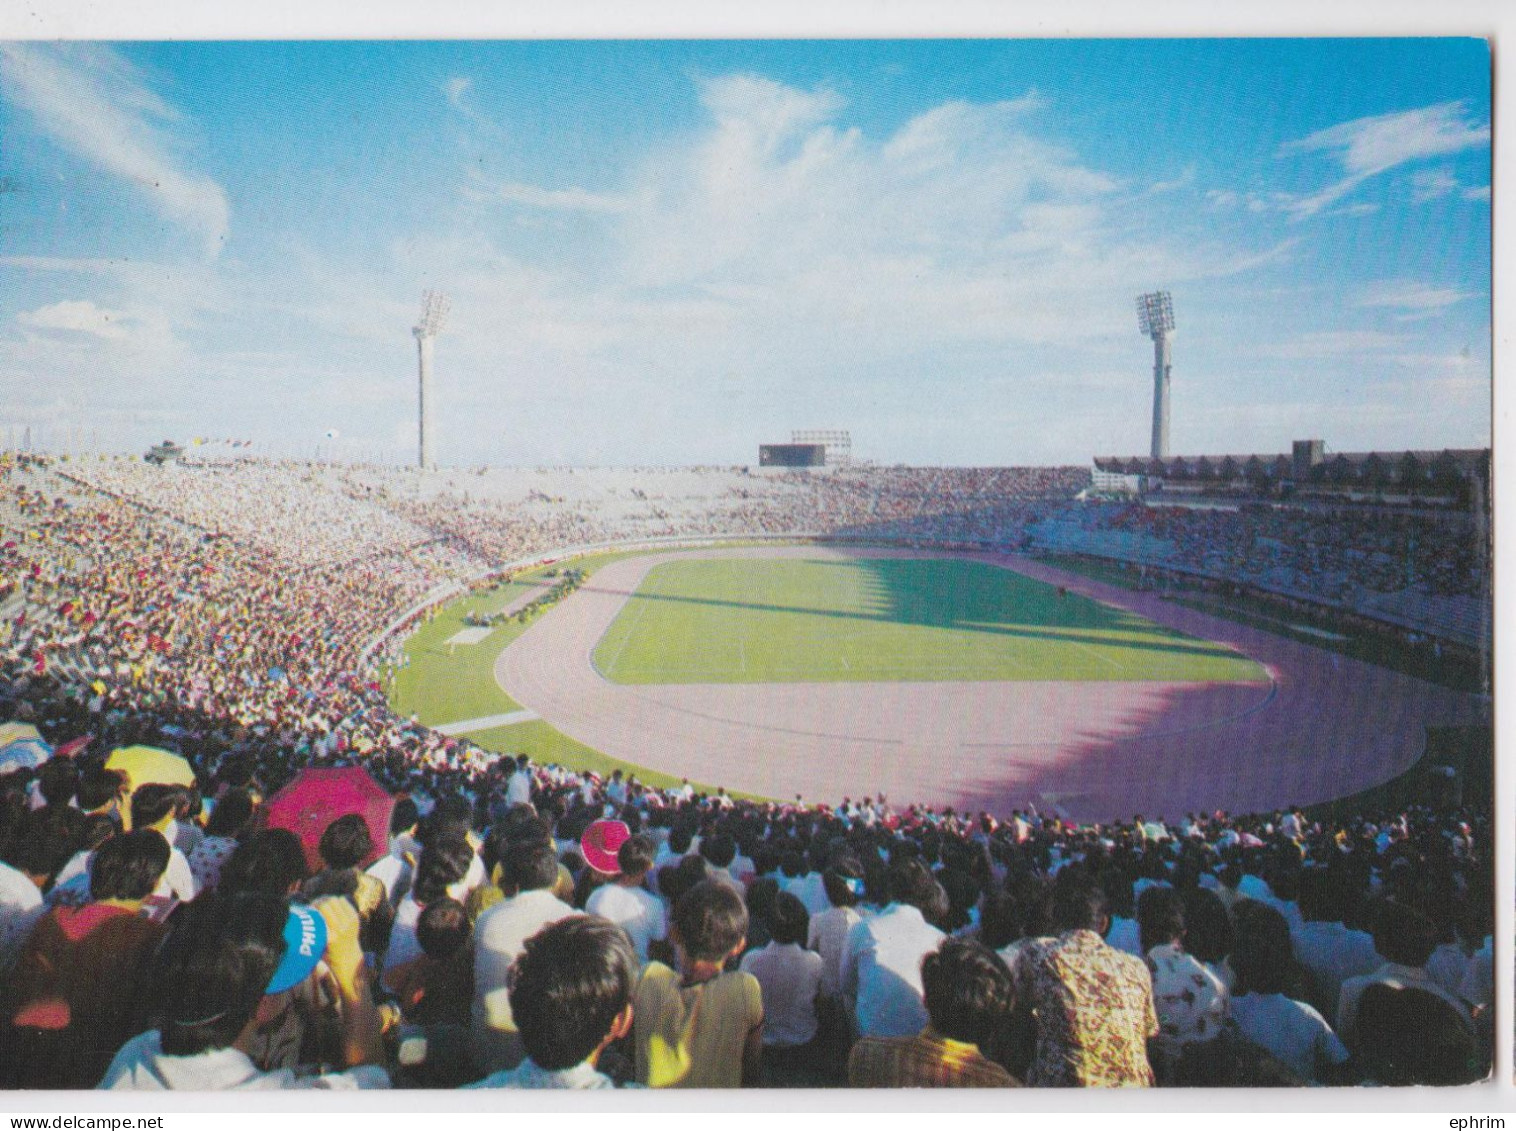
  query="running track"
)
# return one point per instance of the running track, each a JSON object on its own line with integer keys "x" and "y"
{"x": 1326, "y": 727}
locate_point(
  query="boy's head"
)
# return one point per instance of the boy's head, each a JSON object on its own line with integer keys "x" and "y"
{"x": 346, "y": 843}
{"x": 528, "y": 866}
{"x": 635, "y": 858}
{"x": 710, "y": 921}
{"x": 128, "y": 865}
{"x": 443, "y": 928}
{"x": 1403, "y": 935}
{"x": 215, "y": 968}
{"x": 789, "y": 921}
{"x": 1160, "y": 917}
{"x": 571, "y": 990}
{"x": 968, "y": 990}
{"x": 154, "y": 804}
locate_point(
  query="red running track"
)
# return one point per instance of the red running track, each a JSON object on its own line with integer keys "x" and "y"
{"x": 1327, "y": 726}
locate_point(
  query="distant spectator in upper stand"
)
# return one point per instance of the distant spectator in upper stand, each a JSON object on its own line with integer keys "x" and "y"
{"x": 969, "y": 1001}
{"x": 70, "y": 1000}
{"x": 1289, "y": 1029}
{"x": 1190, "y": 1000}
{"x": 627, "y": 903}
{"x": 527, "y": 876}
{"x": 790, "y": 978}
{"x": 700, "y": 1026}
{"x": 344, "y": 846}
{"x": 154, "y": 807}
{"x": 881, "y": 966}
{"x": 1405, "y": 939}
{"x": 1092, "y": 1005}
{"x": 571, "y": 996}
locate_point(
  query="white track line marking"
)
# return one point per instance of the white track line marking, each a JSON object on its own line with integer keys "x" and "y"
{"x": 468, "y": 726}
{"x": 631, "y": 630}
{"x": 1098, "y": 655}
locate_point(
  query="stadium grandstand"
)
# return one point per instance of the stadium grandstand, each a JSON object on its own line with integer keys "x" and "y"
{"x": 245, "y": 619}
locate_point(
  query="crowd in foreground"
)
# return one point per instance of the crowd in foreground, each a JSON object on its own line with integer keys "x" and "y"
{"x": 541, "y": 928}
{"x": 529, "y": 926}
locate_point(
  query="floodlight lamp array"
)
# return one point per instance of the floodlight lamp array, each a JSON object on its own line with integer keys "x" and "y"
{"x": 1155, "y": 313}
{"x": 434, "y": 308}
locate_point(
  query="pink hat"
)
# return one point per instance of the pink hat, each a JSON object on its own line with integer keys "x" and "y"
{"x": 601, "y": 842}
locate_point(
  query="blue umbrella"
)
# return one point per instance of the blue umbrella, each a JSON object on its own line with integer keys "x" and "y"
{"x": 24, "y": 754}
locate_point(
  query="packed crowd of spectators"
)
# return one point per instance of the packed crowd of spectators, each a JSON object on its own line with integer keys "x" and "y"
{"x": 524, "y": 926}
{"x": 531, "y": 926}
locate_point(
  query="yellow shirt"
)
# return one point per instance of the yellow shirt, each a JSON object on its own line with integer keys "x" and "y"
{"x": 693, "y": 1036}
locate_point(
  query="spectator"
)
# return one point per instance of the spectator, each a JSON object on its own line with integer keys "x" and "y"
{"x": 571, "y": 996}
{"x": 699, "y": 1026}
{"x": 624, "y": 900}
{"x": 969, "y": 999}
{"x": 527, "y": 876}
{"x": 1092, "y": 1005}
{"x": 1190, "y": 1001}
{"x": 232, "y": 953}
{"x": 789, "y": 977}
{"x": 69, "y": 1002}
{"x": 882, "y": 962}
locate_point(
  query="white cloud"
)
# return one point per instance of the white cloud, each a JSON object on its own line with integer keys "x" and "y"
{"x": 572, "y": 199}
{"x": 455, "y": 88}
{"x": 1323, "y": 344}
{"x": 1431, "y": 184}
{"x": 1410, "y": 295}
{"x": 1366, "y": 147}
{"x": 76, "y": 316}
{"x": 1477, "y": 192}
{"x": 92, "y": 102}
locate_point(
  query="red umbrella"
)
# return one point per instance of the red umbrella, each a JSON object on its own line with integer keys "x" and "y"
{"x": 318, "y": 797}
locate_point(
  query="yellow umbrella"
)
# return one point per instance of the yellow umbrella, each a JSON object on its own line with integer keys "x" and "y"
{"x": 15, "y": 732}
{"x": 146, "y": 765}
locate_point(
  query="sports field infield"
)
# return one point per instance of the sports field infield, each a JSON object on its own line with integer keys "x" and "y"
{"x": 865, "y": 619}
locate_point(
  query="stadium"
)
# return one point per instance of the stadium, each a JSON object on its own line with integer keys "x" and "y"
{"x": 811, "y": 766}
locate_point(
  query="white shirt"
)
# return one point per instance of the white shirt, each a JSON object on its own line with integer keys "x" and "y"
{"x": 790, "y": 978}
{"x": 499, "y": 939}
{"x": 141, "y": 1065}
{"x": 639, "y": 913}
{"x": 882, "y": 971}
{"x": 1290, "y": 1030}
{"x": 1333, "y": 953}
{"x": 1397, "y": 977}
{"x": 20, "y": 907}
{"x": 828, "y": 938}
{"x": 810, "y": 889}
{"x": 518, "y": 791}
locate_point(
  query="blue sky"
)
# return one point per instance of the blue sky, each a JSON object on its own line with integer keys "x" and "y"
{"x": 669, "y": 252}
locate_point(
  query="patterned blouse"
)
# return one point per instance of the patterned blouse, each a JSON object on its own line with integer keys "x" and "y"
{"x": 1191, "y": 1001}
{"x": 1094, "y": 1012}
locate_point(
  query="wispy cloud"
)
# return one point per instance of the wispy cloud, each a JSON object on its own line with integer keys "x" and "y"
{"x": 1323, "y": 344}
{"x": 1367, "y": 147}
{"x": 1431, "y": 184}
{"x": 93, "y": 102}
{"x": 572, "y": 199}
{"x": 76, "y": 317}
{"x": 1418, "y": 299}
{"x": 1477, "y": 192}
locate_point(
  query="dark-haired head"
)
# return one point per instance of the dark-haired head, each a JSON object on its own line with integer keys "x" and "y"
{"x": 444, "y": 861}
{"x": 128, "y": 866}
{"x": 271, "y": 861}
{"x": 789, "y": 921}
{"x": 214, "y": 968}
{"x": 571, "y": 989}
{"x": 635, "y": 857}
{"x": 710, "y": 921}
{"x": 1079, "y": 903}
{"x": 968, "y": 990}
{"x": 529, "y": 865}
{"x": 1160, "y": 917}
{"x": 153, "y": 803}
{"x": 99, "y": 787}
{"x": 231, "y": 814}
{"x": 443, "y": 928}
{"x": 346, "y": 843}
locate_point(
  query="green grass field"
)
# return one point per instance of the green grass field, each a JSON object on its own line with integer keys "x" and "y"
{"x": 882, "y": 620}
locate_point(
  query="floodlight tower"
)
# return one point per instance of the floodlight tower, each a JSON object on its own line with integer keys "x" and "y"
{"x": 1155, "y": 318}
{"x": 434, "y": 308}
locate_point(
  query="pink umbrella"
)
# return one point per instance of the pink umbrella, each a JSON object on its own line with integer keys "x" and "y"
{"x": 317, "y": 797}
